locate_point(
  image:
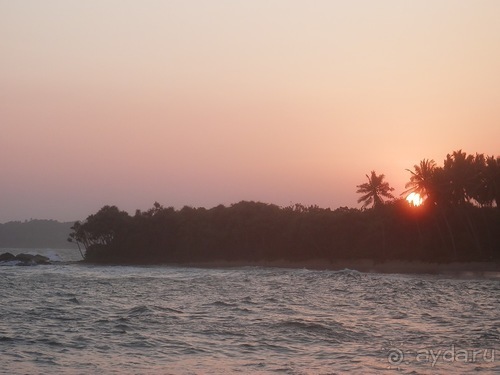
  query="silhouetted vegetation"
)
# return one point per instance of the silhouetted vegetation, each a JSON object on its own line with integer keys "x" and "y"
{"x": 459, "y": 220}
{"x": 374, "y": 191}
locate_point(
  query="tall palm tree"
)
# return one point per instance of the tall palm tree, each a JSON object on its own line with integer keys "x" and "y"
{"x": 422, "y": 179}
{"x": 459, "y": 170}
{"x": 374, "y": 190}
{"x": 489, "y": 189}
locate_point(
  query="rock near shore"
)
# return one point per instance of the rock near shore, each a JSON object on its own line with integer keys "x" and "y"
{"x": 23, "y": 259}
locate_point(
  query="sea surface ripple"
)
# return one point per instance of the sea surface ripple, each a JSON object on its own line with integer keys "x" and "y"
{"x": 71, "y": 318}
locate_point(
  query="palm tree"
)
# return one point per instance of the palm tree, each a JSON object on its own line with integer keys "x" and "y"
{"x": 374, "y": 190}
{"x": 489, "y": 185}
{"x": 422, "y": 179}
{"x": 459, "y": 170}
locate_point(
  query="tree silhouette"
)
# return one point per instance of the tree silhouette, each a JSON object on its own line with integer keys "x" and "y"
{"x": 460, "y": 172}
{"x": 461, "y": 224}
{"x": 374, "y": 190}
{"x": 422, "y": 180}
{"x": 488, "y": 180}
{"x": 492, "y": 179}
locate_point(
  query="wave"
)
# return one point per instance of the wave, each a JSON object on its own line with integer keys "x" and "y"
{"x": 136, "y": 320}
{"x": 139, "y": 311}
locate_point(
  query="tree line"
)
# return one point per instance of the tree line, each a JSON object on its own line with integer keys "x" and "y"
{"x": 463, "y": 179}
{"x": 459, "y": 220}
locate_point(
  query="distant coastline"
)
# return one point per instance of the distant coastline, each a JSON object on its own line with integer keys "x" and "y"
{"x": 33, "y": 234}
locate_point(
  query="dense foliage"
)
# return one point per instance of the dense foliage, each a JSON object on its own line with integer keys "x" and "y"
{"x": 459, "y": 221}
{"x": 463, "y": 179}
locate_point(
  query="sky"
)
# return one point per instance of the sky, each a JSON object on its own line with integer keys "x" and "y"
{"x": 202, "y": 103}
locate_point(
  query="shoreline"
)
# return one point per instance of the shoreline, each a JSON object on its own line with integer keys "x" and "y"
{"x": 489, "y": 269}
{"x": 461, "y": 269}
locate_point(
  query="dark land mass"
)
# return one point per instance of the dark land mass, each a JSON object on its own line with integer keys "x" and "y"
{"x": 254, "y": 233}
{"x": 457, "y": 224}
{"x": 36, "y": 234}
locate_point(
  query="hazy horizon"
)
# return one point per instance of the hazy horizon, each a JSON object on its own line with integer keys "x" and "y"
{"x": 203, "y": 103}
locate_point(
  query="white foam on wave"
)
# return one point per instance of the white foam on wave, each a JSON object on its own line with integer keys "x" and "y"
{"x": 52, "y": 255}
{"x": 10, "y": 263}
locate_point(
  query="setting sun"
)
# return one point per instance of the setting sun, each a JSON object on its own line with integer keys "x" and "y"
{"x": 414, "y": 199}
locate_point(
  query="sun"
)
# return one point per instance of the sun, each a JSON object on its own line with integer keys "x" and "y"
{"x": 414, "y": 199}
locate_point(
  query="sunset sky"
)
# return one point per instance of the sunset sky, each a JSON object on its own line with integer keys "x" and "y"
{"x": 205, "y": 102}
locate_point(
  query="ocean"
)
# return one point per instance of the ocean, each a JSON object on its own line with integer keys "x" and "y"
{"x": 72, "y": 318}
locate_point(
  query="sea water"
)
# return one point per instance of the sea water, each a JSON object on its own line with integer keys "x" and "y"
{"x": 71, "y": 318}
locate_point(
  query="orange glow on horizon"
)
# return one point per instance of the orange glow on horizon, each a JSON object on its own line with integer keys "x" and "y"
{"x": 197, "y": 103}
{"x": 414, "y": 199}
